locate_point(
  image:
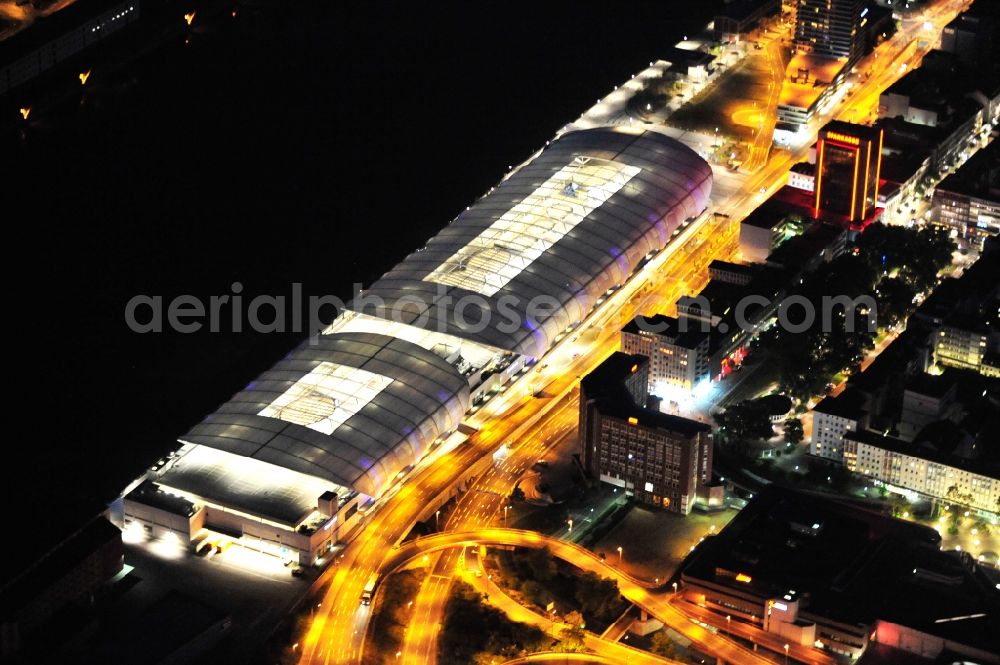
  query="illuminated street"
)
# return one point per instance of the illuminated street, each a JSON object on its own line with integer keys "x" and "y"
{"x": 672, "y": 273}
{"x": 410, "y": 337}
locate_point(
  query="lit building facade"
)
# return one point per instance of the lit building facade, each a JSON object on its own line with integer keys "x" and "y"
{"x": 676, "y": 357}
{"x": 833, "y": 417}
{"x": 961, "y": 346}
{"x": 897, "y": 463}
{"x": 848, "y": 167}
{"x": 830, "y": 27}
{"x": 660, "y": 459}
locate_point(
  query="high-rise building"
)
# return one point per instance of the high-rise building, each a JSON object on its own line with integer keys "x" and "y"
{"x": 830, "y": 27}
{"x": 660, "y": 459}
{"x": 848, "y": 168}
{"x": 677, "y": 356}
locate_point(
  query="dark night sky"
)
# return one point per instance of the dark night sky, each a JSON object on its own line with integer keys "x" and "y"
{"x": 313, "y": 142}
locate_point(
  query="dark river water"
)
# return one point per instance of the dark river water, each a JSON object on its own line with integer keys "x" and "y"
{"x": 297, "y": 142}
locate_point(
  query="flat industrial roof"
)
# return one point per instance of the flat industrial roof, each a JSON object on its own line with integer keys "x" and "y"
{"x": 850, "y": 565}
{"x": 804, "y": 93}
{"x": 246, "y": 484}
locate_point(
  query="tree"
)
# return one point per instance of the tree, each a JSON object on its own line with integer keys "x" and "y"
{"x": 956, "y": 495}
{"x": 743, "y": 422}
{"x": 574, "y": 618}
{"x": 662, "y": 645}
{"x": 597, "y": 596}
{"x": 541, "y": 564}
{"x": 571, "y": 639}
{"x": 793, "y": 431}
{"x": 536, "y": 593}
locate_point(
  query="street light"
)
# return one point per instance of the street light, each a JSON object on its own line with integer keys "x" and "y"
{"x": 570, "y": 525}
{"x": 729, "y": 631}
{"x": 675, "y": 587}
{"x": 786, "y": 654}
{"x": 619, "y": 554}
{"x": 398, "y": 654}
{"x": 437, "y": 520}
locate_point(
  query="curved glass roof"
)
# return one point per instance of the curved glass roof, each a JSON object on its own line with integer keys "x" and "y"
{"x": 352, "y": 408}
{"x": 363, "y": 401}
{"x": 558, "y": 232}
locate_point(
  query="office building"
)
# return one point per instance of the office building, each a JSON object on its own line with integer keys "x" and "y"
{"x": 832, "y": 418}
{"x": 678, "y": 354}
{"x": 830, "y": 27}
{"x": 825, "y": 574}
{"x": 662, "y": 460}
{"x": 967, "y": 202}
{"x": 848, "y": 166}
{"x": 736, "y": 18}
{"x": 923, "y": 467}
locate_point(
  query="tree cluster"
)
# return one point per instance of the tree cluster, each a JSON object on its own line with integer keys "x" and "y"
{"x": 473, "y": 632}
{"x": 890, "y": 265}
{"x": 598, "y": 597}
{"x": 742, "y": 423}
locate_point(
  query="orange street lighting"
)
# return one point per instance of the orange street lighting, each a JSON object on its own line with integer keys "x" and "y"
{"x": 619, "y": 554}
{"x": 570, "y": 525}
{"x": 25, "y": 112}
{"x": 189, "y": 17}
{"x": 84, "y": 76}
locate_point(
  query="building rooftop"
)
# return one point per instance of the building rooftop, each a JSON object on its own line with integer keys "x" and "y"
{"x": 899, "y": 167}
{"x": 850, "y": 129}
{"x": 848, "y": 404}
{"x": 739, "y": 10}
{"x": 351, "y": 408}
{"x": 850, "y": 565}
{"x": 244, "y": 483}
{"x": 978, "y": 177}
{"x": 729, "y": 266}
{"x": 55, "y": 564}
{"x": 667, "y": 326}
{"x": 606, "y": 385}
{"x": 932, "y": 385}
{"x": 798, "y": 250}
{"x": 806, "y": 77}
{"x": 157, "y": 634}
{"x": 150, "y": 494}
{"x": 567, "y": 225}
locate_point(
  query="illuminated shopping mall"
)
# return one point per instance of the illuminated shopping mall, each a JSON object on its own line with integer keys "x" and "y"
{"x": 290, "y": 464}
